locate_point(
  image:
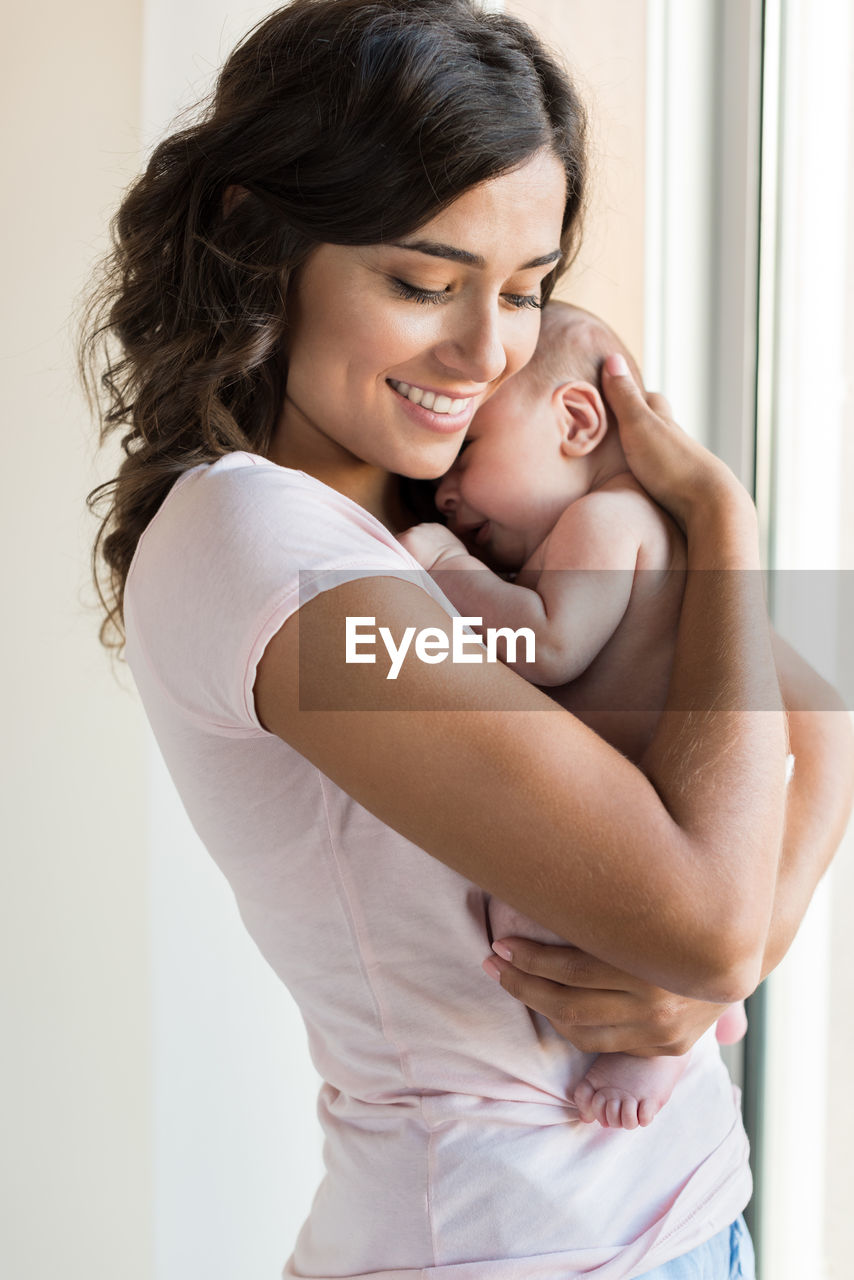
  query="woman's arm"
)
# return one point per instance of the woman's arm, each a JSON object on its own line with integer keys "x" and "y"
{"x": 820, "y": 793}
{"x": 601, "y": 1010}
{"x": 671, "y": 878}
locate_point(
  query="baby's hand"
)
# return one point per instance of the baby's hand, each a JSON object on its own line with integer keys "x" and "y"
{"x": 431, "y": 544}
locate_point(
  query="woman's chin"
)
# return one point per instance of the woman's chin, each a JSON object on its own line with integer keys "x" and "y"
{"x": 426, "y": 469}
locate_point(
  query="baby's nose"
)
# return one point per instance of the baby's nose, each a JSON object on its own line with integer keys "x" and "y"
{"x": 447, "y": 495}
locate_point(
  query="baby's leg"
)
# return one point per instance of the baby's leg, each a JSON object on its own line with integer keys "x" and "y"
{"x": 622, "y": 1092}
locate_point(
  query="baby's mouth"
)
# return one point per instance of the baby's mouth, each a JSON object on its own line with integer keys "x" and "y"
{"x": 476, "y": 532}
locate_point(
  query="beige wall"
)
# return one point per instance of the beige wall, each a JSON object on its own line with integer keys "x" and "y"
{"x": 604, "y": 43}
{"x": 76, "y": 1158}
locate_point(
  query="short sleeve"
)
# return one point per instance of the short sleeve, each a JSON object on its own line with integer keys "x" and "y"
{"x": 235, "y": 549}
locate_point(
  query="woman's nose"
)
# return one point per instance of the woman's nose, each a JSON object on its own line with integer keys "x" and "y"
{"x": 475, "y": 350}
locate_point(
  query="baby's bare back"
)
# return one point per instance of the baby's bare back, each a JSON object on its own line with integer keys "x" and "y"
{"x": 622, "y": 692}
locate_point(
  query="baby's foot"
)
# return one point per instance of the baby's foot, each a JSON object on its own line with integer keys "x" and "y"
{"x": 622, "y": 1092}
{"x": 732, "y": 1025}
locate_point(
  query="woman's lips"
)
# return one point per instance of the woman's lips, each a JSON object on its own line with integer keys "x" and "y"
{"x": 447, "y": 401}
{"x": 441, "y": 423}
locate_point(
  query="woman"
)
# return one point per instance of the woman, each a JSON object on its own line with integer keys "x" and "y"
{"x": 370, "y": 215}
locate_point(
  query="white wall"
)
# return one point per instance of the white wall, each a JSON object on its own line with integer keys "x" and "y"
{"x": 76, "y": 1019}
{"x": 807, "y": 1153}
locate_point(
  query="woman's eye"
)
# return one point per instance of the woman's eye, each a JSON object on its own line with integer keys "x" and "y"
{"x": 522, "y": 300}
{"x": 414, "y": 294}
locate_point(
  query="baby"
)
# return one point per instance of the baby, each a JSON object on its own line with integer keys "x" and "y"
{"x": 595, "y": 568}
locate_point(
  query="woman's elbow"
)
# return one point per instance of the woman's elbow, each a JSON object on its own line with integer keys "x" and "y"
{"x": 730, "y": 965}
{"x": 722, "y": 956}
{"x": 717, "y": 983}
{"x": 735, "y": 981}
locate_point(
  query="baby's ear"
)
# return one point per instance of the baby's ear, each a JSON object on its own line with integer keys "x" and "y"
{"x": 582, "y": 417}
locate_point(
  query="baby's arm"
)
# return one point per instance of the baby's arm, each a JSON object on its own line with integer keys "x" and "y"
{"x": 577, "y": 598}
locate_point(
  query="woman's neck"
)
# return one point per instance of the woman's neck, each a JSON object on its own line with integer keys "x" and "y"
{"x": 299, "y": 444}
{"x": 377, "y": 491}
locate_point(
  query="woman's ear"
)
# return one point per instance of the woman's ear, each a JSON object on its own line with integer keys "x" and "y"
{"x": 582, "y": 417}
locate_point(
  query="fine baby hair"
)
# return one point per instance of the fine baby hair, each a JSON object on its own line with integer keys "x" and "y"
{"x": 573, "y": 346}
{"x": 332, "y": 121}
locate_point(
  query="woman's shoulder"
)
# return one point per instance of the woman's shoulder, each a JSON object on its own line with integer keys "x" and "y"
{"x": 242, "y": 508}
{"x": 253, "y": 490}
{"x": 235, "y": 548}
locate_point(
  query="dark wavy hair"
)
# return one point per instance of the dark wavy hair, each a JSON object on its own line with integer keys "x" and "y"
{"x": 336, "y": 121}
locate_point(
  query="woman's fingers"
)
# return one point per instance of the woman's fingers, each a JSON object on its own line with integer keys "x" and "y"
{"x": 625, "y": 396}
{"x": 597, "y": 1008}
{"x": 659, "y": 404}
{"x": 565, "y": 964}
{"x": 676, "y": 470}
{"x": 592, "y": 1021}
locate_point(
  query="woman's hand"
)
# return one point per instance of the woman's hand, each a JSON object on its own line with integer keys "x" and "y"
{"x": 675, "y": 469}
{"x": 598, "y": 1008}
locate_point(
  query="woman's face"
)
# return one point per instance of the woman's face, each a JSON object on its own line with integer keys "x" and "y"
{"x": 392, "y": 347}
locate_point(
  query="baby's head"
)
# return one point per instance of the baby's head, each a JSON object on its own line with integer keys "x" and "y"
{"x": 571, "y": 350}
{"x": 542, "y": 441}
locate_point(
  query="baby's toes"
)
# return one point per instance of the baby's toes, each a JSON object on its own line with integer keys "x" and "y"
{"x": 620, "y": 1110}
{"x": 647, "y": 1111}
{"x": 600, "y": 1107}
{"x": 629, "y": 1112}
{"x": 612, "y": 1108}
{"x": 613, "y": 1112}
{"x": 583, "y": 1099}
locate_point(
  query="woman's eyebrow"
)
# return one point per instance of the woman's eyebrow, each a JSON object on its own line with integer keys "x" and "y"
{"x": 449, "y": 251}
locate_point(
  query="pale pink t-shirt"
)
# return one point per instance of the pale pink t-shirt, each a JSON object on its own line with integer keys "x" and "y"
{"x": 451, "y": 1150}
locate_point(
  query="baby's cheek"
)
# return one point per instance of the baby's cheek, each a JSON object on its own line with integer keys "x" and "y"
{"x": 505, "y": 922}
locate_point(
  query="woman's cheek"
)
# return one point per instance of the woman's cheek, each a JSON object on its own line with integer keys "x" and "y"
{"x": 526, "y": 344}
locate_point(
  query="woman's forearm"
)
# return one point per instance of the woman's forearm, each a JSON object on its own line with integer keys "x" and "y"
{"x": 820, "y": 794}
{"x": 718, "y": 755}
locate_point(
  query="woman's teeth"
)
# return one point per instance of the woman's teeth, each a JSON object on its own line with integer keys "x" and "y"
{"x": 429, "y": 399}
